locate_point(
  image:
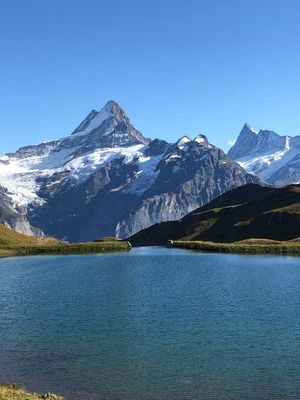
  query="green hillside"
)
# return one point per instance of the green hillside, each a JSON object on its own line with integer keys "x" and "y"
{"x": 249, "y": 212}
{"x": 10, "y": 237}
{"x": 14, "y": 243}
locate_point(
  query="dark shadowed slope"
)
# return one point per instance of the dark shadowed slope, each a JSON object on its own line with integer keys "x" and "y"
{"x": 248, "y": 212}
{"x": 107, "y": 179}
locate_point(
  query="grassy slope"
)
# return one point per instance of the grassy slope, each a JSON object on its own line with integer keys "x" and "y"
{"x": 268, "y": 214}
{"x": 252, "y": 246}
{"x": 14, "y": 243}
{"x": 10, "y": 237}
{"x": 14, "y": 392}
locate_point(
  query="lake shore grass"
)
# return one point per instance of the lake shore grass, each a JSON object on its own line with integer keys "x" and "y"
{"x": 16, "y": 392}
{"x": 63, "y": 248}
{"x": 251, "y": 246}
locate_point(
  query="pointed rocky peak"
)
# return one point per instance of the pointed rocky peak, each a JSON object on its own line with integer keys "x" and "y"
{"x": 245, "y": 142}
{"x": 156, "y": 147}
{"x": 246, "y": 132}
{"x": 113, "y": 109}
{"x": 183, "y": 141}
{"x": 201, "y": 139}
{"x": 247, "y": 128}
{"x": 95, "y": 118}
{"x": 109, "y": 127}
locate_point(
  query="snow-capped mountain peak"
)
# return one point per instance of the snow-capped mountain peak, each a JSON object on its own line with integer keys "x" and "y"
{"x": 95, "y": 118}
{"x": 274, "y": 158}
{"x": 185, "y": 140}
{"x": 108, "y": 179}
{"x": 245, "y": 141}
{"x": 90, "y": 120}
{"x": 181, "y": 142}
{"x": 201, "y": 139}
{"x": 108, "y": 127}
{"x": 101, "y": 136}
{"x": 248, "y": 127}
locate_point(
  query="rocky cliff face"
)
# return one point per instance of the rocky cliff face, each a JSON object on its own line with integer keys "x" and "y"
{"x": 13, "y": 219}
{"x": 273, "y": 158}
{"x": 189, "y": 176}
{"x": 248, "y": 212}
{"x": 106, "y": 178}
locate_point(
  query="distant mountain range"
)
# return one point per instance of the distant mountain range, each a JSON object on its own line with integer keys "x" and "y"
{"x": 248, "y": 212}
{"x": 273, "y": 158}
{"x": 107, "y": 179}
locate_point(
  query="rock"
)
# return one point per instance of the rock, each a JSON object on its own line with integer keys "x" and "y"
{"x": 107, "y": 179}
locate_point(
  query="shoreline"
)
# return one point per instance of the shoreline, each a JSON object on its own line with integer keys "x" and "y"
{"x": 64, "y": 249}
{"x": 17, "y": 392}
{"x": 251, "y": 246}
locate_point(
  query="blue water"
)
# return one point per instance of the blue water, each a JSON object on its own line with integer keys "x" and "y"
{"x": 152, "y": 324}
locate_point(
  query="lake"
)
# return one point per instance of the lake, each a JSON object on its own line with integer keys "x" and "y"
{"x": 152, "y": 324}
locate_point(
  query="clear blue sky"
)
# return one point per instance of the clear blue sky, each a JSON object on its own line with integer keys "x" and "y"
{"x": 177, "y": 67}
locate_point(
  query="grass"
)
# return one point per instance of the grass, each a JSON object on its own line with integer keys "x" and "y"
{"x": 10, "y": 237}
{"x": 250, "y": 211}
{"x": 7, "y": 253}
{"x": 17, "y": 244}
{"x": 16, "y": 392}
{"x": 77, "y": 248}
{"x": 251, "y": 246}
{"x": 108, "y": 239}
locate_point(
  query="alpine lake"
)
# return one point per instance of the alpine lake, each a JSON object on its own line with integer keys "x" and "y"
{"x": 153, "y": 323}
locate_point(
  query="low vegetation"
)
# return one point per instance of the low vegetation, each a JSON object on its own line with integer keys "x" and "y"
{"x": 16, "y": 244}
{"x": 248, "y": 212}
{"x": 9, "y": 237}
{"x": 108, "y": 239}
{"x": 78, "y": 248}
{"x": 251, "y": 246}
{"x": 16, "y": 392}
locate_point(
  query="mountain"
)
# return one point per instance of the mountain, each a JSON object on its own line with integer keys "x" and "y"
{"x": 251, "y": 211}
{"x": 107, "y": 179}
{"x": 13, "y": 219}
{"x": 9, "y": 237}
{"x": 14, "y": 243}
{"x": 273, "y": 158}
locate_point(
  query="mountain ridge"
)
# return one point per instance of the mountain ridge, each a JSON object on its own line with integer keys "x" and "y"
{"x": 267, "y": 213}
{"x": 272, "y": 157}
{"x": 107, "y": 179}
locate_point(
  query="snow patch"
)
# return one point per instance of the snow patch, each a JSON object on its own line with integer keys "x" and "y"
{"x": 266, "y": 165}
{"x": 94, "y": 122}
{"x": 20, "y": 176}
{"x": 183, "y": 141}
{"x": 199, "y": 139}
{"x": 251, "y": 128}
{"x": 146, "y": 175}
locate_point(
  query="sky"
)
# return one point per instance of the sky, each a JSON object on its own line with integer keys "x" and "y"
{"x": 180, "y": 67}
